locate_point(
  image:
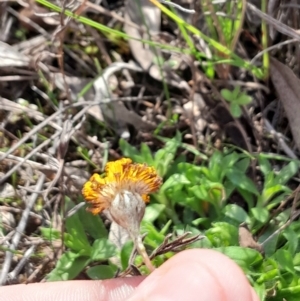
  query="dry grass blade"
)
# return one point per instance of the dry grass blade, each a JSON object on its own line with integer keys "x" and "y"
{"x": 287, "y": 86}
{"x": 178, "y": 243}
{"x": 280, "y": 27}
{"x": 9, "y": 57}
{"x": 19, "y": 231}
{"x": 146, "y": 16}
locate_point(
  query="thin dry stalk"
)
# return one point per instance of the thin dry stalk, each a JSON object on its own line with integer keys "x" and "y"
{"x": 20, "y": 230}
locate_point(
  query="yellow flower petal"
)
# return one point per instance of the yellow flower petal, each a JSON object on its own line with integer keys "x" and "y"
{"x": 121, "y": 175}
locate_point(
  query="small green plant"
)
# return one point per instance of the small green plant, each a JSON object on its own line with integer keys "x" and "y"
{"x": 88, "y": 248}
{"x": 200, "y": 199}
{"x": 236, "y": 99}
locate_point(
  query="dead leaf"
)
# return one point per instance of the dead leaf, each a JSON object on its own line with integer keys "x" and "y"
{"x": 10, "y": 57}
{"x": 142, "y": 12}
{"x": 7, "y": 191}
{"x": 246, "y": 239}
{"x": 7, "y": 221}
{"x": 287, "y": 86}
{"x": 114, "y": 113}
{"x": 118, "y": 235}
{"x": 148, "y": 17}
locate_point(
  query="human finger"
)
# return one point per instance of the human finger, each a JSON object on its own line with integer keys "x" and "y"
{"x": 196, "y": 274}
{"x": 108, "y": 290}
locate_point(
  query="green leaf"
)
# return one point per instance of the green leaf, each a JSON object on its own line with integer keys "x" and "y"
{"x": 163, "y": 160}
{"x": 243, "y": 164}
{"x": 215, "y": 167}
{"x": 285, "y": 260}
{"x": 235, "y": 110}
{"x": 227, "y": 29}
{"x": 271, "y": 244}
{"x": 191, "y": 149}
{"x": 126, "y": 253}
{"x": 269, "y": 275}
{"x": 229, "y": 189}
{"x": 194, "y": 204}
{"x": 260, "y": 214}
{"x": 222, "y": 234}
{"x": 101, "y": 272}
{"x": 241, "y": 180}
{"x": 147, "y": 154}
{"x": 291, "y": 293}
{"x": 130, "y": 151}
{"x": 77, "y": 244}
{"x": 153, "y": 211}
{"x": 191, "y": 172}
{"x": 154, "y": 237}
{"x": 230, "y": 160}
{"x": 50, "y": 234}
{"x": 246, "y": 258}
{"x": 166, "y": 228}
{"x": 296, "y": 262}
{"x": 176, "y": 195}
{"x": 292, "y": 239}
{"x": 102, "y": 249}
{"x": 236, "y": 92}
{"x": 247, "y": 196}
{"x": 68, "y": 267}
{"x": 288, "y": 172}
{"x": 165, "y": 156}
{"x": 93, "y": 224}
{"x": 260, "y": 290}
{"x": 264, "y": 165}
{"x": 75, "y": 238}
{"x": 227, "y": 94}
{"x": 243, "y": 99}
{"x": 236, "y": 213}
{"x": 270, "y": 192}
{"x": 175, "y": 180}
{"x": 209, "y": 191}
{"x": 207, "y": 172}
{"x": 278, "y": 199}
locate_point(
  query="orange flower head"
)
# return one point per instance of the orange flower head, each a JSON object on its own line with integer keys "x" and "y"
{"x": 123, "y": 191}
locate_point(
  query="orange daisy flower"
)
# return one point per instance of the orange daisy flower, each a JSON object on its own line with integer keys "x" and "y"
{"x": 121, "y": 176}
{"x": 123, "y": 194}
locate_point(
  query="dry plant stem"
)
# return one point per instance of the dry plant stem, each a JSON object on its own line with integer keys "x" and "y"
{"x": 173, "y": 246}
{"x": 188, "y": 11}
{"x": 27, "y": 20}
{"x": 293, "y": 215}
{"x": 249, "y": 85}
{"x": 33, "y": 164}
{"x": 66, "y": 135}
{"x": 280, "y": 27}
{"x": 61, "y": 131}
{"x": 280, "y": 140}
{"x": 13, "y": 275}
{"x": 28, "y": 162}
{"x": 108, "y": 13}
{"x": 276, "y": 46}
{"x": 31, "y": 133}
{"x": 138, "y": 242}
{"x": 38, "y": 269}
{"x": 19, "y": 231}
